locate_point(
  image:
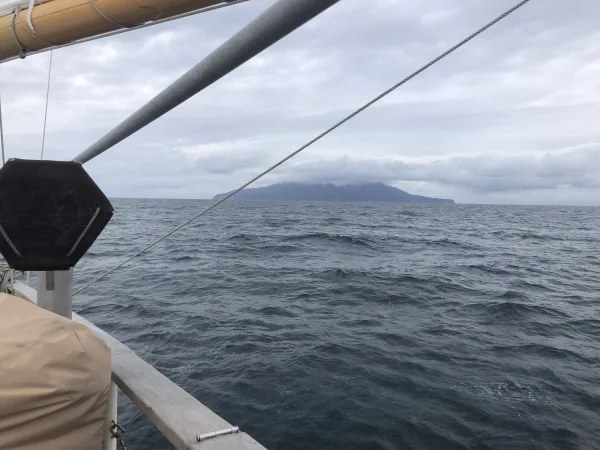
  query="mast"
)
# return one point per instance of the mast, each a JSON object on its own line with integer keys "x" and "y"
{"x": 276, "y": 22}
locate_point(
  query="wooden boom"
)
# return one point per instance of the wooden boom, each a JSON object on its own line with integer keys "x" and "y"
{"x": 59, "y": 22}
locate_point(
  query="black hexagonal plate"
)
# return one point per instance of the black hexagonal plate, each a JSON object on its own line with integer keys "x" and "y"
{"x": 51, "y": 212}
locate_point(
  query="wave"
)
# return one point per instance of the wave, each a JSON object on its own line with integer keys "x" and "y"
{"x": 277, "y": 311}
{"x": 436, "y": 285}
{"x": 333, "y": 220}
{"x": 489, "y": 269}
{"x": 339, "y": 238}
{"x": 541, "y": 350}
{"x": 184, "y": 258}
{"x": 533, "y": 285}
{"x": 103, "y": 254}
{"x": 449, "y": 243}
{"x": 589, "y": 327}
{"x": 513, "y": 310}
{"x": 281, "y": 248}
{"x": 514, "y": 295}
{"x": 506, "y": 391}
{"x": 394, "y": 339}
{"x": 336, "y": 273}
{"x": 283, "y": 222}
{"x": 541, "y": 237}
{"x": 242, "y": 237}
{"x": 360, "y": 323}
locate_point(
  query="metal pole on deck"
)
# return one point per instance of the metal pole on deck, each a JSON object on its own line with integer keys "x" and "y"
{"x": 111, "y": 416}
{"x": 276, "y": 22}
{"x": 55, "y": 292}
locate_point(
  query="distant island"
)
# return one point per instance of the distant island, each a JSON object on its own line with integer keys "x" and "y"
{"x": 372, "y": 192}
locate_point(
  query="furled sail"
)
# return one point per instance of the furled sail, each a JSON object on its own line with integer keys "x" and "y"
{"x": 27, "y": 26}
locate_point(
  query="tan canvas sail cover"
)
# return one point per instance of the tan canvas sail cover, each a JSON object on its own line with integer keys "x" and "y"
{"x": 54, "y": 380}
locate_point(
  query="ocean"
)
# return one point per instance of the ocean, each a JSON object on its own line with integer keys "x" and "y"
{"x": 363, "y": 326}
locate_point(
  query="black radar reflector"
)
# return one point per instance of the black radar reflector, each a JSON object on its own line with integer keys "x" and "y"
{"x": 51, "y": 212}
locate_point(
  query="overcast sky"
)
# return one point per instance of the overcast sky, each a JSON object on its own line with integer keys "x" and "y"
{"x": 513, "y": 117}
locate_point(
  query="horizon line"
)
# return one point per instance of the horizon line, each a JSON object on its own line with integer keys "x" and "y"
{"x": 333, "y": 201}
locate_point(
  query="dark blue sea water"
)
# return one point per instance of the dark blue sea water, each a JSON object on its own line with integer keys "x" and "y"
{"x": 364, "y": 326}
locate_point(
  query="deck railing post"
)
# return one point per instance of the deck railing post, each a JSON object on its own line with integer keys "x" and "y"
{"x": 55, "y": 292}
{"x": 111, "y": 416}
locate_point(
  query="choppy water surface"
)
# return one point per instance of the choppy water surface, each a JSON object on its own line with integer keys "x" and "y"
{"x": 364, "y": 326}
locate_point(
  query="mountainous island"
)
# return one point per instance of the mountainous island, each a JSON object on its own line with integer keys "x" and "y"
{"x": 372, "y": 192}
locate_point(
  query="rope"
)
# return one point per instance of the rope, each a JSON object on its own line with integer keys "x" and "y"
{"x": 2, "y": 132}
{"x": 101, "y": 14}
{"x": 7, "y": 276}
{"x": 46, "y": 112}
{"x": 10, "y": 243}
{"x": 309, "y": 143}
{"x": 29, "y": 14}
{"x": 30, "y": 32}
{"x": 84, "y": 232}
{"x": 24, "y": 51}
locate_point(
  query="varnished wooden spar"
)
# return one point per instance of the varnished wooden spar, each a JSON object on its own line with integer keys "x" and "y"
{"x": 61, "y": 21}
{"x": 177, "y": 415}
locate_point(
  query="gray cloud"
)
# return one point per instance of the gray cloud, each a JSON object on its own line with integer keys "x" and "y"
{"x": 512, "y": 117}
{"x": 577, "y": 167}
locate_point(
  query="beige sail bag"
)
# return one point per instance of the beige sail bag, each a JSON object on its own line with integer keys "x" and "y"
{"x": 54, "y": 380}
